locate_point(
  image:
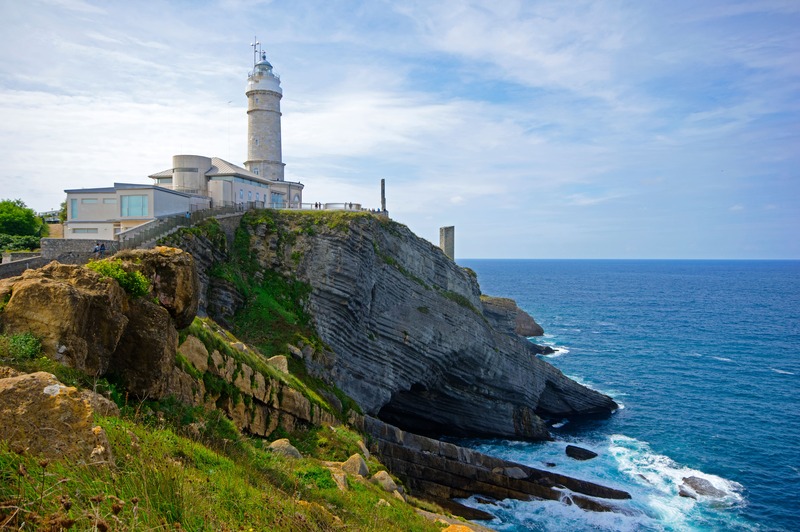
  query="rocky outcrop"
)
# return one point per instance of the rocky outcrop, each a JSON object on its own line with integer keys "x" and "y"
{"x": 442, "y": 471}
{"x": 86, "y": 321}
{"x": 43, "y": 417}
{"x": 411, "y": 339}
{"x": 270, "y": 404}
{"x": 579, "y": 453}
{"x": 174, "y": 279}
{"x": 79, "y": 315}
{"x": 505, "y": 316}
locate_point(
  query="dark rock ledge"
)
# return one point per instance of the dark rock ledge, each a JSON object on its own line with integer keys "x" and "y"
{"x": 441, "y": 471}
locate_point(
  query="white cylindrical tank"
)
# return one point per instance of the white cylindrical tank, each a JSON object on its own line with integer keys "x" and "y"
{"x": 189, "y": 173}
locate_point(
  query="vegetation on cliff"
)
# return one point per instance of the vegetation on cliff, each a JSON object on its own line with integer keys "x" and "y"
{"x": 189, "y": 467}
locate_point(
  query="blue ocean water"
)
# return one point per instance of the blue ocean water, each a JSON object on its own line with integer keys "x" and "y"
{"x": 704, "y": 356}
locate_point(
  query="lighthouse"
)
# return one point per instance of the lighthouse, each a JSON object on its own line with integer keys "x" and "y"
{"x": 264, "y": 118}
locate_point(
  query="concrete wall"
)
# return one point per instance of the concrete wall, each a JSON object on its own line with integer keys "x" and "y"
{"x": 92, "y": 206}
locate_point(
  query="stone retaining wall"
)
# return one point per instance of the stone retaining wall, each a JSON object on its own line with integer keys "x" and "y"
{"x": 11, "y": 256}
{"x": 17, "y": 267}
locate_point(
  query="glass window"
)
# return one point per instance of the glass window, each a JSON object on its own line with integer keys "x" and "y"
{"x": 89, "y": 200}
{"x": 110, "y": 200}
{"x": 241, "y": 194}
{"x": 73, "y": 209}
{"x": 277, "y": 200}
{"x": 133, "y": 206}
{"x": 249, "y": 195}
{"x": 85, "y": 230}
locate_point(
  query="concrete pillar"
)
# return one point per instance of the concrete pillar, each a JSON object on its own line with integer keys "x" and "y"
{"x": 447, "y": 241}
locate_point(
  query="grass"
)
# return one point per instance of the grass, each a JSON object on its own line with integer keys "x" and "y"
{"x": 133, "y": 282}
{"x": 164, "y": 480}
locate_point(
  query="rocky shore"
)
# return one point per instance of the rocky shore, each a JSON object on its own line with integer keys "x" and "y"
{"x": 403, "y": 331}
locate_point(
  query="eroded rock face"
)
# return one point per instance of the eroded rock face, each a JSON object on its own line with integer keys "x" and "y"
{"x": 45, "y": 418}
{"x": 173, "y": 276}
{"x": 441, "y": 471}
{"x": 79, "y": 315}
{"x": 412, "y": 341}
{"x": 88, "y": 322}
{"x": 505, "y": 316}
{"x": 146, "y": 352}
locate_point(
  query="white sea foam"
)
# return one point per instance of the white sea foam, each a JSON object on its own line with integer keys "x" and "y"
{"x": 665, "y": 477}
{"x": 653, "y": 480}
{"x": 722, "y": 359}
{"x": 782, "y": 371}
{"x": 560, "y": 424}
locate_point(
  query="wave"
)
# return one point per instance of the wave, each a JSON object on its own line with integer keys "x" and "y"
{"x": 782, "y": 371}
{"x": 662, "y": 497}
{"x": 722, "y": 359}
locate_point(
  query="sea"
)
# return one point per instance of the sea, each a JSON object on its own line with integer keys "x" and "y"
{"x": 703, "y": 358}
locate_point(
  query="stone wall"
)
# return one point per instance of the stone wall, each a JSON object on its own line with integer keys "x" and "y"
{"x": 17, "y": 267}
{"x": 73, "y": 250}
{"x": 11, "y": 256}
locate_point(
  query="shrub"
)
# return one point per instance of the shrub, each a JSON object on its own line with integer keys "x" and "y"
{"x": 23, "y": 346}
{"x": 134, "y": 283}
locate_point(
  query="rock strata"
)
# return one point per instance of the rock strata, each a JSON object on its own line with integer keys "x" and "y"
{"x": 443, "y": 471}
{"x": 411, "y": 341}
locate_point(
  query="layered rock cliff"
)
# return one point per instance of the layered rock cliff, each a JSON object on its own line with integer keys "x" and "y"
{"x": 410, "y": 338}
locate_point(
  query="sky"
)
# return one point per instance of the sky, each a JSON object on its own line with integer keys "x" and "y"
{"x": 539, "y": 129}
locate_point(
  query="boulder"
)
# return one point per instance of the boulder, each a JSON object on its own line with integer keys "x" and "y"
{"x": 78, "y": 314}
{"x": 279, "y": 362}
{"x": 384, "y": 480}
{"x": 99, "y": 404}
{"x": 145, "y": 355}
{"x": 173, "y": 277}
{"x": 285, "y": 448}
{"x": 355, "y": 465}
{"x": 703, "y": 487}
{"x": 45, "y": 418}
{"x": 195, "y": 352}
{"x": 579, "y": 453}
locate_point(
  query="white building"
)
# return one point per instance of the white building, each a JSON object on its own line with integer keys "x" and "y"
{"x": 261, "y": 182}
{"x": 195, "y": 181}
{"x": 102, "y": 213}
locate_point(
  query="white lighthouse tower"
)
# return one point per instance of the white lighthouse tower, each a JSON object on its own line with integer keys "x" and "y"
{"x": 264, "y": 118}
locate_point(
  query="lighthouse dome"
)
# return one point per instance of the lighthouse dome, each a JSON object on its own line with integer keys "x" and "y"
{"x": 263, "y": 66}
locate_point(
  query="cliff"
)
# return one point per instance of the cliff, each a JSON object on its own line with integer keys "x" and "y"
{"x": 408, "y": 335}
{"x": 344, "y": 302}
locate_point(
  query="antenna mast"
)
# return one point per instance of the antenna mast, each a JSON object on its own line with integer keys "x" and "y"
{"x": 256, "y": 50}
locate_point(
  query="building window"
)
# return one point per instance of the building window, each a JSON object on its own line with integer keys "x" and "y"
{"x": 256, "y": 196}
{"x": 134, "y": 206}
{"x": 277, "y": 200}
{"x": 110, "y": 201}
{"x": 255, "y": 171}
{"x": 73, "y": 209}
{"x": 85, "y": 230}
{"x": 241, "y": 194}
{"x": 249, "y": 195}
{"x": 89, "y": 200}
